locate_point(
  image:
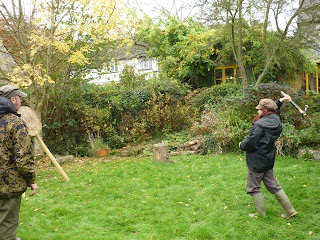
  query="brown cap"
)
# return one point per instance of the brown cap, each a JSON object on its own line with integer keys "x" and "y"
{"x": 9, "y": 91}
{"x": 266, "y": 103}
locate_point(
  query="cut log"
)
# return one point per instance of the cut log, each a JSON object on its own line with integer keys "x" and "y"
{"x": 124, "y": 153}
{"x": 160, "y": 152}
{"x": 64, "y": 158}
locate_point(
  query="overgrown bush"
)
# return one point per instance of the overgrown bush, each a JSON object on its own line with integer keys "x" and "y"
{"x": 61, "y": 129}
{"x": 78, "y": 112}
{"x": 230, "y": 117}
{"x": 310, "y": 136}
{"x": 289, "y": 141}
{"x": 176, "y": 140}
{"x": 221, "y": 115}
{"x": 209, "y": 145}
{"x": 216, "y": 96}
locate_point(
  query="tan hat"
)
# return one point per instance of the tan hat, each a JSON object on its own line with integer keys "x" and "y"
{"x": 10, "y": 91}
{"x": 267, "y": 103}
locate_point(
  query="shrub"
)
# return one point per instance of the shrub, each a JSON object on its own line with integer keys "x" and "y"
{"x": 215, "y": 96}
{"x": 164, "y": 114}
{"x": 289, "y": 141}
{"x": 206, "y": 125}
{"x": 221, "y": 127}
{"x": 310, "y": 136}
{"x": 209, "y": 145}
{"x": 177, "y": 139}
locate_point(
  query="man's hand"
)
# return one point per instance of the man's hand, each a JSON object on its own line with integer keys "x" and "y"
{"x": 34, "y": 188}
{"x": 286, "y": 98}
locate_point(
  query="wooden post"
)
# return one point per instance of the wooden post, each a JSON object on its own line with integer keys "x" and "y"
{"x": 307, "y": 83}
{"x": 223, "y": 76}
{"x": 160, "y": 152}
{"x": 317, "y": 81}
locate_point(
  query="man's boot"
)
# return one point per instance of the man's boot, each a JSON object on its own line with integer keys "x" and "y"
{"x": 259, "y": 204}
{"x": 286, "y": 204}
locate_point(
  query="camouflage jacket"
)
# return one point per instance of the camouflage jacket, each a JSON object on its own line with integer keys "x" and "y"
{"x": 16, "y": 152}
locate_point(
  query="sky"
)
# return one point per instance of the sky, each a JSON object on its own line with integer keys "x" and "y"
{"x": 181, "y": 8}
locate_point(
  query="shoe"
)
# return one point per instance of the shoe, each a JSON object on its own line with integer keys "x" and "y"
{"x": 286, "y": 204}
{"x": 259, "y": 204}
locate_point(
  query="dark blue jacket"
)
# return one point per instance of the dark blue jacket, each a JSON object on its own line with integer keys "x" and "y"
{"x": 260, "y": 144}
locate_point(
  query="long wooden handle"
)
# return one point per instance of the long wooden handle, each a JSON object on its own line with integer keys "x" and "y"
{"x": 294, "y": 104}
{"x": 52, "y": 158}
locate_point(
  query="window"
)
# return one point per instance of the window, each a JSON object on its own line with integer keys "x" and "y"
{"x": 146, "y": 64}
{"x": 228, "y": 73}
{"x": 114, "y": 68}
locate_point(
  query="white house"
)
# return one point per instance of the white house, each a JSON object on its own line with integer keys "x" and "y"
{"x": 135, "y": 57}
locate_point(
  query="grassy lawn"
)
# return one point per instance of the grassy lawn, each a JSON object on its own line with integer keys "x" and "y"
{"x": 195, "y": 197}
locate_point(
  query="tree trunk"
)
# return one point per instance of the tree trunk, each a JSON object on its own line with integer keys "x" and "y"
{"x": 160, "y": 152}
{"x": 240, "y": 58}
{"x": 269, "y": 63}
{"x": 237, "y": 51}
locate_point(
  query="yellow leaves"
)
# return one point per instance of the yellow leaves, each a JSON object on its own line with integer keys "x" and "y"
{"x": 61, "y": 46}
{"x": 28, "y": 74}
{"x": 78, "y": 57}
{"x": 39, "y": 39}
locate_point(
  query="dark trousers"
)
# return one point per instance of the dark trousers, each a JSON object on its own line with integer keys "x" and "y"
{"x": 9, "y": 218}
{"x": 254, "y": 181}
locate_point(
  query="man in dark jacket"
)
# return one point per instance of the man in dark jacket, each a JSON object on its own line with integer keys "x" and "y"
{"x": 16, "y": 161}
{"x": 260, "y": 156}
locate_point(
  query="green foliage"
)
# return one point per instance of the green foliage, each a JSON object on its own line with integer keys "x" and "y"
{"x": 165, "y": 114}
{"x": 62, "y": 132}
{"x": 289, "y": 58}
{"x": 227, "y": 117}
{"x": 97, "y": 144}
{"x": 209, "y": 145}
{"x": 289, "y": 141}
{"x": 220, "y": 123}
{"x": 176, "y": 140}
{"x": 130, "y": 80}
{"x": 216, "y": 95}
{"x": 78, "y": 114}
{"x": 307, "y": 156}
{"x": 310, "y": 134}
{"x": 185, "y": 50}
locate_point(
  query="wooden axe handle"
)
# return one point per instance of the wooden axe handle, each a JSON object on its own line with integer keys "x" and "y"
{"x": 52, "y": 158}
{"x": 294, "y": 104}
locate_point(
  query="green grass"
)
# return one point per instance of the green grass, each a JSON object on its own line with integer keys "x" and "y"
{"x": 195, "y": 197}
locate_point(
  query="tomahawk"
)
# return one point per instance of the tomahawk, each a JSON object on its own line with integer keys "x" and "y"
{"x": 303, "y": 112}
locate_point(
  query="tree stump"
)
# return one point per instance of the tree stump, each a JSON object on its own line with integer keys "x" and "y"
{"x": 160, "y": 152}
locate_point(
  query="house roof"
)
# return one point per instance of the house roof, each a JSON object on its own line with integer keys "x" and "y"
{"x": 135, "y": 51}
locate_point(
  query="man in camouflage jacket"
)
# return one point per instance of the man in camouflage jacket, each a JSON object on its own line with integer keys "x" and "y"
{"x": 16, "y": 161}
